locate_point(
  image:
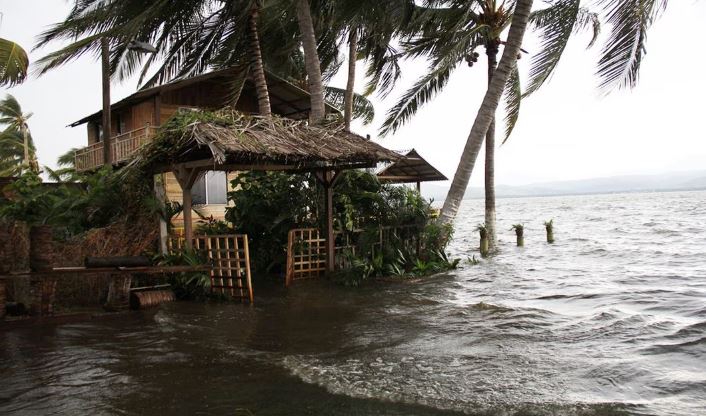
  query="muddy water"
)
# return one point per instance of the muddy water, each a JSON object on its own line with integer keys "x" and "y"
{"x": 609, "y": 320}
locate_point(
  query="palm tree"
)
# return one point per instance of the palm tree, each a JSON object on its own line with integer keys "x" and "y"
{"x": 18, "y": 152}
{"x": 451, "y": 35}
{"x": 618, "y": 66}
{"x": 256, "y": 64}
{"x": 312, "y": 62}
{"x": 486, "y": 113}
{"x": 13, "y": 63}
{"x": 370, "y": 27}
{"x": 190, "y": 35}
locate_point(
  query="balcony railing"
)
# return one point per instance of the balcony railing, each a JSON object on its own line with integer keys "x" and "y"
{"x": 123, "y": 147}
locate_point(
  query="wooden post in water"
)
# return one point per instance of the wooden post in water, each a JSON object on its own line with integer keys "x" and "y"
{"x": 549, "y": 225}
{"x": 519, "y": 233}
{"x": 483, "y": 239}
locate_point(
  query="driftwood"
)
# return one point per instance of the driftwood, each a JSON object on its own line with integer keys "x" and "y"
{"x": 119, "y": 261}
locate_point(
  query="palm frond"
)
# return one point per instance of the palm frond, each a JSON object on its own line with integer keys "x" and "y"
{"x": 555, "y": 25}
{"x": 362, "y": 107}
{"x": 14, "y": 63}
{"x": 423, "y": 91}
{"x": 513, "y": 99}
{"x": 619, "y": 65}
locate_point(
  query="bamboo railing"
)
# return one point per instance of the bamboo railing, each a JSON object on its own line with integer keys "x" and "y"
{"x": 230, "y": 258}
{"x": 306, "y": 249}
{"x": 123, "y": 147}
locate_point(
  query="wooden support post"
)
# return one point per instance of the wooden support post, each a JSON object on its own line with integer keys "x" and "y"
{"x": 328, "y": 181}
{"x": 419, "y": 187}
{"x": 330, "y": 243}
{"x": 161, "y": 195}
{"x": 186, "y": 178}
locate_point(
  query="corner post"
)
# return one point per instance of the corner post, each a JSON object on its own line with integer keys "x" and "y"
{"x": 161, "y": 195}
{"x": 186, "y": 178}
{"x": 330, "y": 241}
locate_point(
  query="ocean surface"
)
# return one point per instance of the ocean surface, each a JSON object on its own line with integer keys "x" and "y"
{"x": 609, "y": 320}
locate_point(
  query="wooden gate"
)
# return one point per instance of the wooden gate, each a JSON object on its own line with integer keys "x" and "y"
{"x": 230, "y": 257}
{"x": 306, "y": 255}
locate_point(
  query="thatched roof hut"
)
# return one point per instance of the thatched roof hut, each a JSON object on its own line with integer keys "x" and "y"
{"x": 229, "y": 140}
{"x": 410, "y": 169}
{"x": 194, "y": 141}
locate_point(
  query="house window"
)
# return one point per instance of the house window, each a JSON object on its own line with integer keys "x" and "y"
{"x": 210, "y": 188}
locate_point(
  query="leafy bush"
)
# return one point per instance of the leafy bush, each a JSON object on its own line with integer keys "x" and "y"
{"x": 187, "y": 285}
{"x": 386, "y": 224}
{"x": 266, "y": 205}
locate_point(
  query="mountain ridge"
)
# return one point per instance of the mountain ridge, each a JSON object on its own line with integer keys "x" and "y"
{"x": 671, "y": 181}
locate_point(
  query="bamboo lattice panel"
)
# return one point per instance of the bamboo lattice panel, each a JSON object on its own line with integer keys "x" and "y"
{"x": 230, "y": 257}
{"x": 306, "y": 254}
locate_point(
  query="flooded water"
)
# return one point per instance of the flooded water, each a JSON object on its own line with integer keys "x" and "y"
{"x": 609, "y": 320}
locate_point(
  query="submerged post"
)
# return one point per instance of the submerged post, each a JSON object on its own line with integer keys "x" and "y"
{"x": 549, "y": 225}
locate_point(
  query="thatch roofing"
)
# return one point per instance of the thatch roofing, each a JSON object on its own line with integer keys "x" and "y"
{"x": 411, "y": 168}
{"x": 285, "y": 98}
{"x": 228, "y": 139}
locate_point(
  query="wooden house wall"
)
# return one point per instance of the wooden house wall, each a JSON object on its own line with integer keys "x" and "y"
{"x": 143, "y": 113}
{"x": 92, "y": 131}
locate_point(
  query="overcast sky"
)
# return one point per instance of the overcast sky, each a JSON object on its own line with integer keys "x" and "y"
{"x": 567, "y": 130}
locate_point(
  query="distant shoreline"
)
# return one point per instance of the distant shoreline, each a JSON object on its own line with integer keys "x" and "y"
{"x": 634, "y": 191}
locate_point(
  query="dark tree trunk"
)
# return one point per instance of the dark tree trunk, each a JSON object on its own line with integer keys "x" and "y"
{"x": 256, "y": 65}
{"x": 312, "y": 63}
{"x": 352, "y": 55}
{"x": 491, "y": 50}
{"x": 486, "y": 113}
{"x": 105, "y": 74}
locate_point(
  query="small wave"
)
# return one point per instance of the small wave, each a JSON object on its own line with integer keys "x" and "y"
{"x": 482, "y": 306}
{"x": 586, "y": 296}
{"x": 666, "y": 232}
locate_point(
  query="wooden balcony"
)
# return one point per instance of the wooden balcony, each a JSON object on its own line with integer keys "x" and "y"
{"x": 123, "y": 145}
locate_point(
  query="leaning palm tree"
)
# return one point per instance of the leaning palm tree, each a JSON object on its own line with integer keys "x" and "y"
{"x": 13, "y": 63}
{"x": 449, "y": 36}
{"x": 618, "y": 66}
{"x": 17, "y": 144}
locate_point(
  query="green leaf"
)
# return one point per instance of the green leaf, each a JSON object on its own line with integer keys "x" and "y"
{"x": 14, "y": 63}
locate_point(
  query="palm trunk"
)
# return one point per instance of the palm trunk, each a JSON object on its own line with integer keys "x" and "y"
{"x": 256, "y": 65}
{"x": 25, "y": 142}
{"x": 105, "y": 74}
{"x": 491, "y": 50}
{"x": 311, "y": 62}
{"x": 352, "y": 55}
{"x": 486, "y": 113}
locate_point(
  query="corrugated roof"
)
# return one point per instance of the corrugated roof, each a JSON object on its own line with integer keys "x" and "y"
{"x": 286, "y": 98}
